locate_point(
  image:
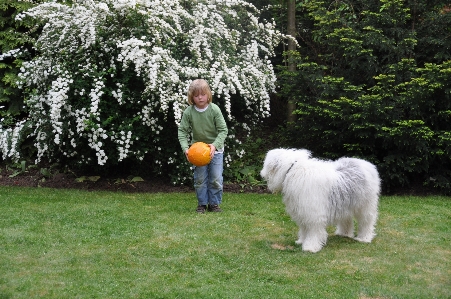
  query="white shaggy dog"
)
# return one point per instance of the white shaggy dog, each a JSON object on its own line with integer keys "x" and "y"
{"x": 319, "y": 193}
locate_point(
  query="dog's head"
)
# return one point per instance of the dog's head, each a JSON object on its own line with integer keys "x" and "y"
{"x": 277, "y": 163}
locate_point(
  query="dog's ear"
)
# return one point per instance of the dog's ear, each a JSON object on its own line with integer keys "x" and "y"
{"x": 272, "y": 169}
{"x": 273, "y": 163}
{"x": 270, "y": 165}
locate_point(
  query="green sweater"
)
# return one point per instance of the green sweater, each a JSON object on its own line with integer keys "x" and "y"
{"x": 208, "y": 126}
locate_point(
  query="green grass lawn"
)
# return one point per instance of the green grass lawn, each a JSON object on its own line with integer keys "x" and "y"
{"x": 80, "y": 244}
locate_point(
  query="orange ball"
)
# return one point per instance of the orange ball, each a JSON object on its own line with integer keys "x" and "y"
{"x": 199, "y": 154}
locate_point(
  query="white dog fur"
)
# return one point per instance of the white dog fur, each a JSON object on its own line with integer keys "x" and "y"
{"x": 319, "y": 193}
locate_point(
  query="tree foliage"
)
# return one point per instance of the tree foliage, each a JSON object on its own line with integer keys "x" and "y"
{"x": 373, "y": 80}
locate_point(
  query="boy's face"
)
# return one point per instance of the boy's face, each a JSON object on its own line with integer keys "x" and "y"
{"x": 200, "y": 100}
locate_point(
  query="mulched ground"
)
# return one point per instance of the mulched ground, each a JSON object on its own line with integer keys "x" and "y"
{"x": 34, "y": 178}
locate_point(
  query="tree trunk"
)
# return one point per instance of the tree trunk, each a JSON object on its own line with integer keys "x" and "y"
{"x": 291, "y": 30}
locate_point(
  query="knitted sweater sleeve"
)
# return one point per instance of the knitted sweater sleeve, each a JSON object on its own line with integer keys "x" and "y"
{"x": 184, "y": 129}
{"x": 221, "y": 127}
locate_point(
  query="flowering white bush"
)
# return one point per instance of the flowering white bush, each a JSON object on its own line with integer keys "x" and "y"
{"x": 110, "y": 78}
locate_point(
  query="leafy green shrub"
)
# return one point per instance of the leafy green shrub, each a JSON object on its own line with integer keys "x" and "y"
{"x": 12, "y": 41}
{"x": 364, "y": 89}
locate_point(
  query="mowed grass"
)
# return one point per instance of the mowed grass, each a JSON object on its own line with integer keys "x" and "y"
{"x": 79, "y": 244}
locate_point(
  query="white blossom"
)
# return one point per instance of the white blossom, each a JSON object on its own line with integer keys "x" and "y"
{"x": 109, "y": 73}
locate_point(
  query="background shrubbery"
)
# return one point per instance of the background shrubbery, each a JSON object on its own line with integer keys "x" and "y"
{"x": 373, "y": 80}
{"x": 107, "y": 83}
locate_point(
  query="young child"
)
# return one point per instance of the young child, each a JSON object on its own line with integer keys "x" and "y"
{"x": 203, "y": 121}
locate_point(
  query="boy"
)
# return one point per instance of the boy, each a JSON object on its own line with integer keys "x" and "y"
{"x": 203, "y": 121}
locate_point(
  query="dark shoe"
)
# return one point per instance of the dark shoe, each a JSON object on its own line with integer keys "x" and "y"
{"x": 201, "y": 209}
{"x": 214, "y": 208}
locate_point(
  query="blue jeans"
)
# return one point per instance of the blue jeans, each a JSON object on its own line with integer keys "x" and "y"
{"x": 208, "y": 181}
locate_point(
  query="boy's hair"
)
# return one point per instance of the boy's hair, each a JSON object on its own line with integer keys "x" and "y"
{"x": 196, "y": 87}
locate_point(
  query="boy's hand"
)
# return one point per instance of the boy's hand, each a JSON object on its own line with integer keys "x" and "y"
{"x": 186, "y": 154}
{"x": 212, "y": 150}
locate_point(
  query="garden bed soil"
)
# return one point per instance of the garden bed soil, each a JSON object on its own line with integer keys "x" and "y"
{"x": 34, "y": 178}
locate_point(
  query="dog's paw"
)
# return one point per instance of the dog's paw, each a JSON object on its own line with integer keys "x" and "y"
{"x": 298, "y": 242}
{"x": 312, "y": 248}
{"x": 364, "y": 239}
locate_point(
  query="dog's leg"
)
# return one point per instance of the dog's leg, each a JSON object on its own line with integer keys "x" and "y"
{"x": 315, "y": 238}
{"x": 345, "y": 228}
{"x": 301, "y": 235}
{"x": 366, "y": 222}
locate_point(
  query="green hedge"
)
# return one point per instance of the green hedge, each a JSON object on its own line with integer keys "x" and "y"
{"x": 367, "y": 85}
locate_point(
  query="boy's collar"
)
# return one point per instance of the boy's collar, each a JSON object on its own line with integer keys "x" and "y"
{"x": 201, "y": 110}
